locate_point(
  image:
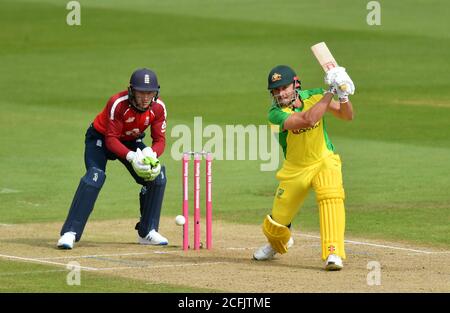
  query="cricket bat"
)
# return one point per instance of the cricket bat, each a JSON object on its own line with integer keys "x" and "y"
{"x": 325, "y": 58}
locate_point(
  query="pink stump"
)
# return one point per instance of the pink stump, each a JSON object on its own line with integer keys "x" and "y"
{"x": 208, "y": 200}
{"x": 186, "y": 158}
{"x": 197, "y": 158}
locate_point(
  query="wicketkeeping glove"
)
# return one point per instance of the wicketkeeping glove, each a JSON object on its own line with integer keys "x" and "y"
{"x": 148, "y": 152}
{"x": 136, "y": 159}
{"x": 155, "y": 167}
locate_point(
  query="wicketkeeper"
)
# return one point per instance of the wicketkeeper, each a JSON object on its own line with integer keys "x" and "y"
{"x": 117, "y": 133}
{"x": 310, "y": 161}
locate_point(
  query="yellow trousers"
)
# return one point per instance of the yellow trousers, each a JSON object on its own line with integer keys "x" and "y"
{"x": 325, "y": 177}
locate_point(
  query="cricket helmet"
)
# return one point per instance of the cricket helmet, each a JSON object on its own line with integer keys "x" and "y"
{"x": 142, "y": 80}
{"x": 282, "y": 75}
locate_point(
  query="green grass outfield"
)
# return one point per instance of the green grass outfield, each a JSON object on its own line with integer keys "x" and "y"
{"x": 19, "y": 277}
{"x": 212, "y": 59}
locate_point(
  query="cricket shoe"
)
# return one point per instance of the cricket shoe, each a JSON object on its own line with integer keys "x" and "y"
{"x": 153, "y": 238}
{"x": 267, "y": 252}
{"x": 333, "y": 263}
{"x": 67, "y": 240}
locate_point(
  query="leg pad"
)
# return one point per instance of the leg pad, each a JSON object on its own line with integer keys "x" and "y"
{"x": 330, "y": 197}
{"x": 151, "y": 198}
{"x": 278, "y": 235}
{"x": 83, "y": 201}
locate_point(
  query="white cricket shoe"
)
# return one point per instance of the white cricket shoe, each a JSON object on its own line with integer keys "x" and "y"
{"x": 67, "y": 240}
{"x": 333, "y": 263}
{"x": 267, "y": 252}
{"x": 153, "y": 238}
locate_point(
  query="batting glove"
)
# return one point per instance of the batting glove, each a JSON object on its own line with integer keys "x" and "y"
{"x": 342, "y": 94}
{"x": 338, "y": 77}
{"x": 332, "y": 89}
{"x": 330, "y": 75}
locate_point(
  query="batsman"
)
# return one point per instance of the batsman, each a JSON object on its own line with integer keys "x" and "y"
{"x": 310, "y": 161}
{"x": 117, "y": 133}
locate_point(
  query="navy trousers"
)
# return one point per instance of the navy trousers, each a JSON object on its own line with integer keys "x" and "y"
{"x": 96, "y": 156}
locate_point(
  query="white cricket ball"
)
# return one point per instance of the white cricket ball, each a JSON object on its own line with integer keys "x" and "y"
{"x": 180, "y": 220}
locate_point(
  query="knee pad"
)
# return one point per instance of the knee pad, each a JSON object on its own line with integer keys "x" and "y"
{"x": 278, "y": 235}
{"x": 94, "y": 177}
{"x": 328, "y": 185}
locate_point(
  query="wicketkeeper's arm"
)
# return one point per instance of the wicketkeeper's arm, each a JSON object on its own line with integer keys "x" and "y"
{"x": 158, "y": 130}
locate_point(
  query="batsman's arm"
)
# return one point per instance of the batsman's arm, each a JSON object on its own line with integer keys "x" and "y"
{"x": 311, "y": 117}
{"x": 342, "y": 110}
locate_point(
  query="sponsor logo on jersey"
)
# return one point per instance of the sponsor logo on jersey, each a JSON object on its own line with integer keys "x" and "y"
{"x": 134, "y": 132}
{"x": 130, "y": 119}
{"x": 147, "y": 120}
{"x": 303, "y": 130}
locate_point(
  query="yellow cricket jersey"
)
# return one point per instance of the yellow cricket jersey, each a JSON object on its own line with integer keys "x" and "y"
{"x": 304, "y": 146}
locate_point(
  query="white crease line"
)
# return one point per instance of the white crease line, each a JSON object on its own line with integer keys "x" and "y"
{"x": 242, "y": 248}
{"x": 43, "y": 261}
{"x": 393, "y": 247}
{"x": 102, "y": 255}
{"x": 109, "y": 268}
{"x": 380, "y": 246}
{"x": 30, "y": 272}
{"x": 158, "y": 266}
{"x": 6, "y": 225}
